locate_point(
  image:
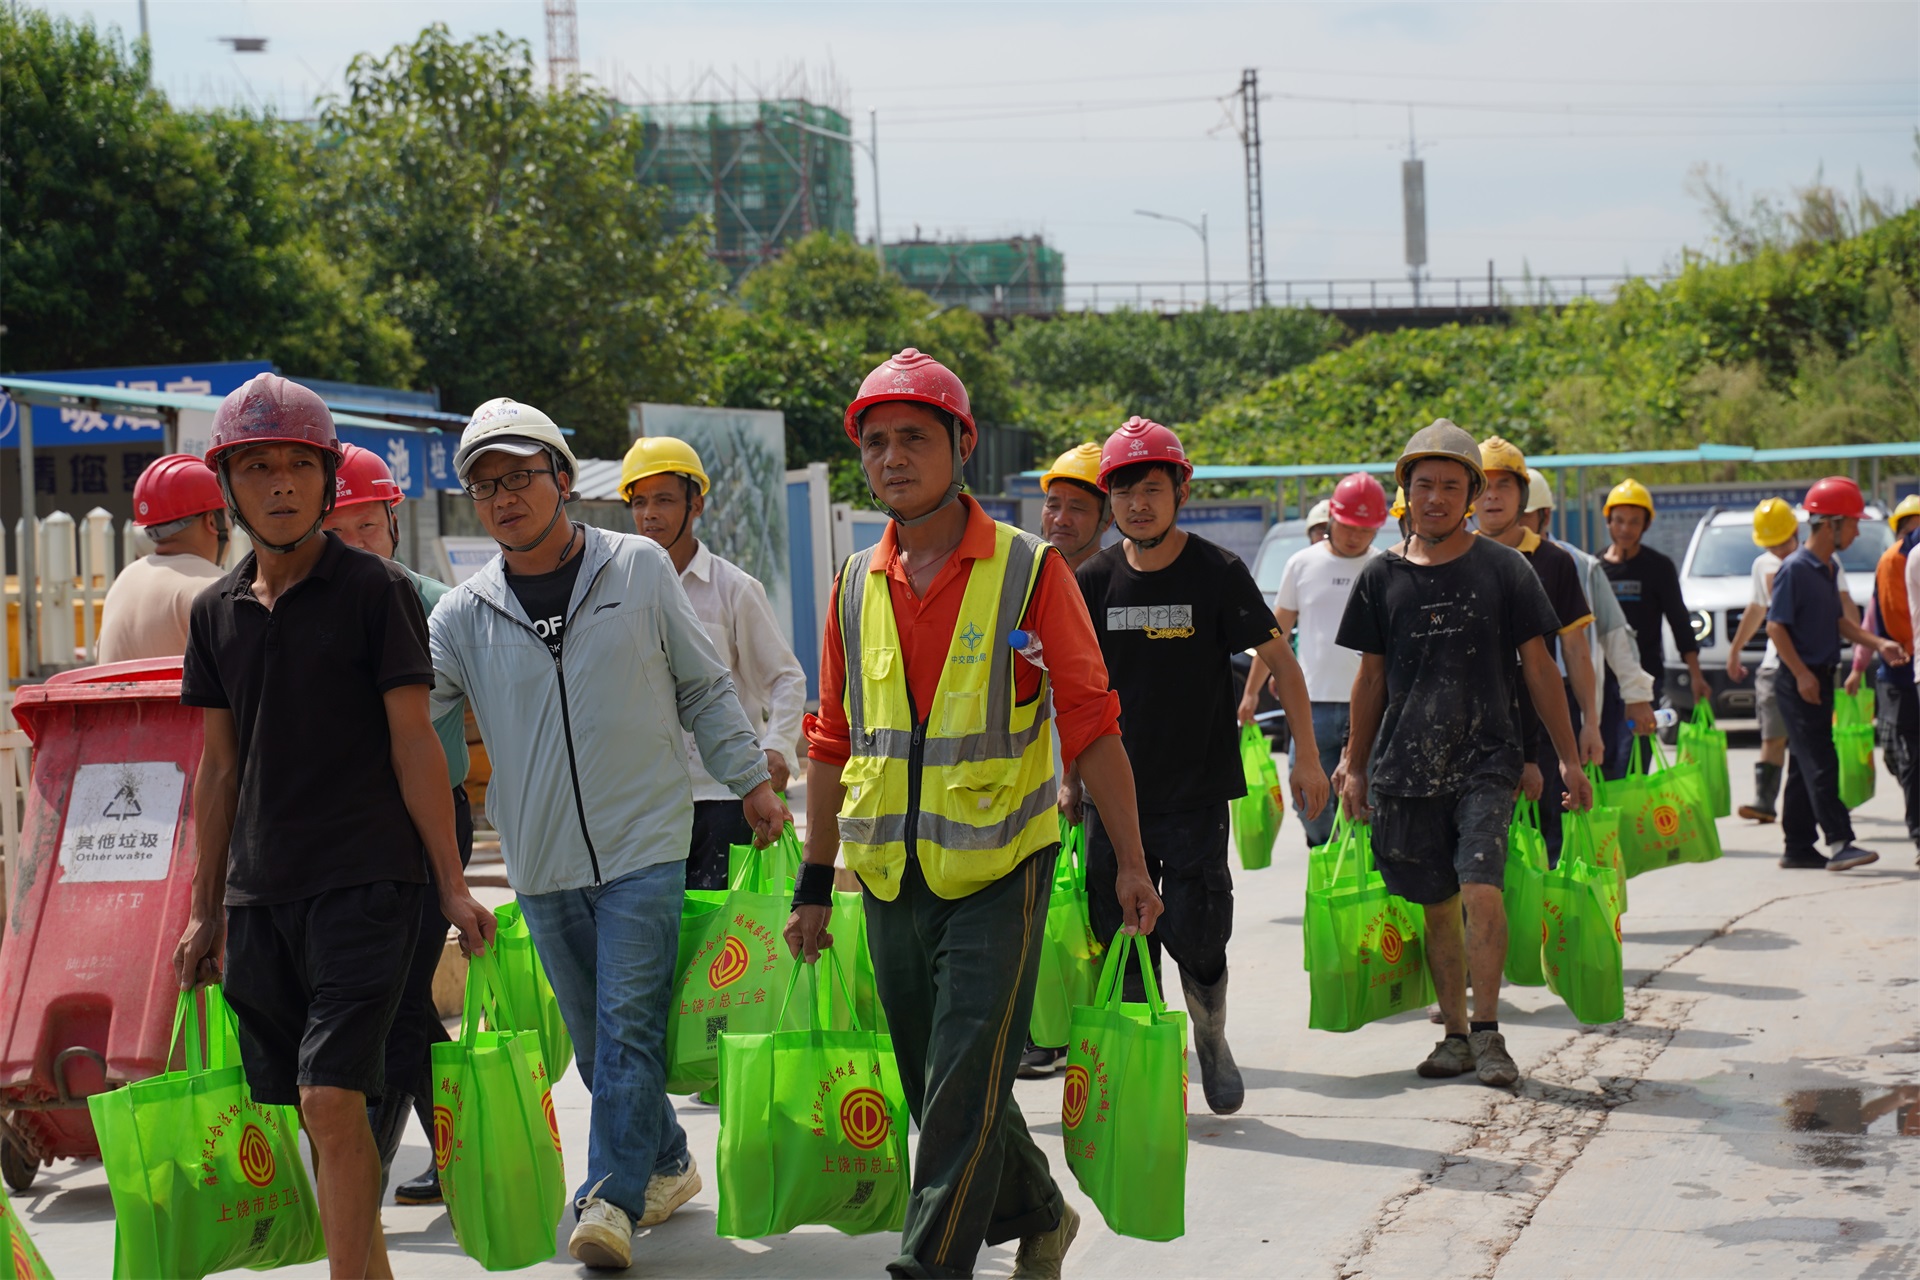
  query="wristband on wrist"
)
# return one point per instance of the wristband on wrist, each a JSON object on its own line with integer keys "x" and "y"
{"x": 815, "y": 886}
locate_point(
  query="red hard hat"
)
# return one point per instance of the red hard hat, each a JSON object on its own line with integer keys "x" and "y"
{"x": 363, "y": 477}
{"x": 1140, "y": 440}
{"x": 1359, "y": 500}
{"x": 911, "y": 376}
{"x": 269, "y": 409}
{"x": 173, "y": 488}
{"x": 1835, "y": 496}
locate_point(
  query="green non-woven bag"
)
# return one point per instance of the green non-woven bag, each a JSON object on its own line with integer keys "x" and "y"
{"x": 1580, "y": 936}
{"x": 1069, "y": 952}
{"x": 496, "y": 1139}
{"x": 1665, "y": 817}
{"x": 1703, "y": 743}
{"x": 1853, "y": 743}
{"x": 813, "y": 1124}
{"x": 736, "y": 966}
{"x": 1257, "y": 815}
{"x": 1365, "y": 954}
{"x": 770, "y": 870}
{"x": 203, "y": 1178}
{"x": 1123, "y": 1111}
{"x": 1604, "y": 821}
{"x": 524, "y": 979}
{"x": 24, "y": 1258}
{"x": 1526, "y": 865}
{"x": 1345, "y": 859}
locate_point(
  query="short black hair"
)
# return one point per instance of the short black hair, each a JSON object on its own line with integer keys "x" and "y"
{"x": 1135, "y": 472}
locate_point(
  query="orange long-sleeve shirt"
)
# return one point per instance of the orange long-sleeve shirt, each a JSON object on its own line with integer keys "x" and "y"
{"x": 1084, "y": 706}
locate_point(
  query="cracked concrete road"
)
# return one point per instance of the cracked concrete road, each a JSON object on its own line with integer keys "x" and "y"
{"x": 1745, "y": 1118}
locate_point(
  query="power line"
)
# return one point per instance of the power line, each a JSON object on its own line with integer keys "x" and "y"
{"x": 1451, "y": 77}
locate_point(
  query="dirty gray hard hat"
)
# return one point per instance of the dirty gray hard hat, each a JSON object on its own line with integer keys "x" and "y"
{"x": 1440, "y": 439}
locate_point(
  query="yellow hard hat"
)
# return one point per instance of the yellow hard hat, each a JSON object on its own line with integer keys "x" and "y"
{"x": 1497, "y": 454}
{"x": 1629, "y": 493}
{"x": 659, "y": 456}
{"x": 1774, "y": 522}
{"x": 1539, "y": 492}
{"x": 1909, "y": 506}
{"x": 1082, "y": 463}
{"x": 1398, "y": 510}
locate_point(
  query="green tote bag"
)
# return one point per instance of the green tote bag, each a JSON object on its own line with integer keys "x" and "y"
{"x": 25, "y": 1259}
{"x": 496, "y": 1139}
{"x": 1256, "y": 815}
{"x": 1365, "y": 954}
{"x": 203, "y": 1178}
{"x": 813, "y": 1124}
{"x": 1665, "y": 816}
{"x": 1345, "y": 859}
{"x": 523, "y": 978}
{"x": 1123, "y": 1111}
{"x": 1580, "y": 928}
{"x": 1526, "y": 868}
{"x": 734, "y": 966}
{"x": 1853, "y": 743}
{"x": 1069, "y": 953}
{"x": 1703, "y": 743}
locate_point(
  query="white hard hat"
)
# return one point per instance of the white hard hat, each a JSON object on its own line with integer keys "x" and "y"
{"x": 503, "y": 425}
{"x": 1539, "y": 492}
{"x": 1321, "y": 513}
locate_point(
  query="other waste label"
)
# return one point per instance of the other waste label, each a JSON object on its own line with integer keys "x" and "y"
{"x": 121, "y": 820}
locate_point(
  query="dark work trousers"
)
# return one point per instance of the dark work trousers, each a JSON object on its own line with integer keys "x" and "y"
{"x": 416, "y": 1025}
{"x": 717, "y": 825}
{"x": 1811, "y": 792}
{"x": 1898, "y": 710}
{"x": 1616, "y": 733}
{"x": 1187, "y": 861}
{"x": 1551, "y": 787}
{"x": 956, "y": 978}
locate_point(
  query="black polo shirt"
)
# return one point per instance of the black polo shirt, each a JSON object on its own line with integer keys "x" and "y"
{"x": 320, "y": 806}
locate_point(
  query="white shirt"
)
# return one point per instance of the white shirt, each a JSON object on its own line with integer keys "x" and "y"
{"x": 733, "y": 606}
{"x": 1314, "y": 586}
{"x": 1765, "y": 565}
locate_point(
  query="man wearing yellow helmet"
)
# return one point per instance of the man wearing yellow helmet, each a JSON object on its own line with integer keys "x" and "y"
{"x": 1776, "y": 531}
{"x": 665, "y": 487}
{"x": 1647, "y": 585}
{"x": 1076, "y": 513}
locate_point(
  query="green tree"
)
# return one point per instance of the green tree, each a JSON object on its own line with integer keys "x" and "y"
{"x": 131, "y": 233}
{"x": 510, "y": 237}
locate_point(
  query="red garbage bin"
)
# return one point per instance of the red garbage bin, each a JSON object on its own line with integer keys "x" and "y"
{"x": 99, "y": 895}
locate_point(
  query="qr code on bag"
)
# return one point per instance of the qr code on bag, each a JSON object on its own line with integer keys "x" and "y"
{"x": 716, "y": 1027}
{"x": 261, "y": 1228}
{"x": 862, "y": 1192}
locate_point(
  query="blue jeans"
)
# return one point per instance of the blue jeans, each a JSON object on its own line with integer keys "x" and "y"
{"x": 1330, "y": 722}
{"x": 609, "y": 952}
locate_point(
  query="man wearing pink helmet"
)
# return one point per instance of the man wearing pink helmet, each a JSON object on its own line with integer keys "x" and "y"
{"x": 1171, "y": 609}
{"x": 320, "y": 803}
{"x": 1312, "y": 597}
{"x": 177, "y": 503}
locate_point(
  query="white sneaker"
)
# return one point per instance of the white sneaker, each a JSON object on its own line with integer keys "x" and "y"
{"x": 604, "y": 1235}
{"x": 668, "y": 1191}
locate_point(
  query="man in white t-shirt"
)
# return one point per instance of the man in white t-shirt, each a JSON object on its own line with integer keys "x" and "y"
{"x": 1776, "y": 530}
{"x": 1314, "y": 587}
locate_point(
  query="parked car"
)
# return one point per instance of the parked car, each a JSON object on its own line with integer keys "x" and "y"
{"x": 1716, "y": 577}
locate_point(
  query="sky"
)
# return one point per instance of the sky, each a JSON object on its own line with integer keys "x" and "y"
{"x": 1558, "y": 137}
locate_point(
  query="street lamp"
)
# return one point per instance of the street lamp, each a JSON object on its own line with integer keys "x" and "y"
{"x": 1206, "y": 259}
{"x": 873, "y": 153}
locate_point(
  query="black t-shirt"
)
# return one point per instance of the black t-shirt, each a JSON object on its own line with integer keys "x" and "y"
{"x": 545, "y": 597}
{"x": 1168, "y": 638}
{"x": 1560, "y": 578}
{"x": 1648, "y": 589}
{"x": 1450, "y": 634}
{"x": 320, "y": 806}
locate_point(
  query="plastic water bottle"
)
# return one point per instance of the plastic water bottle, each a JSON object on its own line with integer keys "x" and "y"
{"x": 1027, "y": 645}
{"x": 1666, "y": 718}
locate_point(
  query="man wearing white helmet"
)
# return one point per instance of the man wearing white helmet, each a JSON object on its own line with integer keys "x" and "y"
{"x": 593, "y": 805}
{"x": 1319, "y": 522}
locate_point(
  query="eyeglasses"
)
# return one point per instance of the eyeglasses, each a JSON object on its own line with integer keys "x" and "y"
{"x": 512, "y": 482}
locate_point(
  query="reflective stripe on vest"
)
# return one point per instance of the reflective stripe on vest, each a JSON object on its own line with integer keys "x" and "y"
{"x": 986, "y": 769}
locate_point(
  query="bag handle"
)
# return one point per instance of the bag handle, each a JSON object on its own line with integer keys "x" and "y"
{"x": 1660, "y": 756}
{"x": 1346, "y": 841}
{"x": 1635, "y": 763}
{"x": 1112, "y": 988}
{"x": 484, "y": 986}
{"x": 829, "y": 957}
{"x": 187, "y": 1017}
{"x": 1527, "y": 814}
{"x": 1703, "y": 715}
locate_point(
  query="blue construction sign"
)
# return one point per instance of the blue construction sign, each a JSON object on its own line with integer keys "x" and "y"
{"x": 55, "y": 427}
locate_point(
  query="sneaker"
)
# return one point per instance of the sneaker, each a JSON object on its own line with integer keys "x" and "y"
{"x": 1849, "y": 856}
{"x": 424, "y": 1189}
{"x": 668, "y": 1191}
{"x": 1494, "y": 1064}
{"x": 1803, "y": 862}
{"x": 1040, "y": 1257}
{"x": 1754, "y": 813}
{"x": 1037, "y": 1063}
{"x": 1451, "y": 1057}
{"x": 603, "y": 1237}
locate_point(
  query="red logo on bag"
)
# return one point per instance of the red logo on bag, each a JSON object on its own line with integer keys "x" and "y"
{"x": 553, "y": 1121}
{"x": 865, "y": 1119}
{"x": 1073, "y": 1104}
{"x": 729, "y": 966}
{"x": 442, "y": 1137}
{"x": 256, "y": 1156}
{"x": 22, "y": 1265}
{"x": 1666, "y": 820}
{"x": 1390, "y": 944}
{"x": 1617, "y": 935}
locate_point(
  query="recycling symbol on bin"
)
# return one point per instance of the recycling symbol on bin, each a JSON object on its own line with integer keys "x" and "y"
{"x": 125, "y": 803}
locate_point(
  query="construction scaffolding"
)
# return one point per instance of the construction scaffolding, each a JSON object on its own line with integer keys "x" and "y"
{"x": 1021, "y": 275}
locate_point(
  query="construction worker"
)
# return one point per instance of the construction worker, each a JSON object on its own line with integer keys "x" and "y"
{"x": 176, "y": 503}
{"x": 1319, "y": 522}
{"x": 1647, "y": 586}
{"x": 1449, "y": 626}
{"x": 1312, "y": 597}
{"x": 1897, "y": 708}
{"x": 1171, "y": 609}
{"x": 319, "y": 782}
{"x": 1806, "y": 622}
{"x": 931, "y": 764}
{"x": 1075, "y": 514}
{"x": 1776, "y": 531}
{"x": 583, "y": 661}
{"x": 665, "y": 488}
{"x": 364, "y": 516}
{"x": 1499, "y": 510}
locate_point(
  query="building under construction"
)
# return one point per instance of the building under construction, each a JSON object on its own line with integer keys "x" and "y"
{"x": 1022, "y": 275}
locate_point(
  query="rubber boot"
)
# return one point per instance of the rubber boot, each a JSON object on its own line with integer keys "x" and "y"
{"x": 1766, "y": 794}
{"x": 388, "y": 1119}
{"x": 1219, "y": 1075}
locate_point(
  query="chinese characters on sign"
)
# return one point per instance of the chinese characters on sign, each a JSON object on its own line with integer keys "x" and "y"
{"x": 121, "y": 820}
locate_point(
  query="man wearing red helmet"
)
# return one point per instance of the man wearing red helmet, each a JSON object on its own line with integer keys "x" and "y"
{"x": 311, "y": 661}
{"x": 931, "y": 765}
{"x": 1312, "y": 597}
{"x": 1171, "y": 609}
{"x": 177, "y": 503}
{"x": 1806, "y": 620}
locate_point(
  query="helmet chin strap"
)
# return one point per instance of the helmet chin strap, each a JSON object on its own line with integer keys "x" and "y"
{"x": 278, "y": 548}
{"x": 539, "y": 537}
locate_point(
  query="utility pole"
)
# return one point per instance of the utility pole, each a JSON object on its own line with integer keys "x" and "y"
{"x": 1256, "y": 210}
{"x": 563, "y": 44}
{"x": 146, "y": 39}
{"x": 1206, "y": 256}
{"x": 873, "y": 153}
{"x": 1413, "y": 208}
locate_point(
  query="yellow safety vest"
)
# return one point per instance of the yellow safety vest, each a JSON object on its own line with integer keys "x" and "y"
{"x": 980, "y": 763}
